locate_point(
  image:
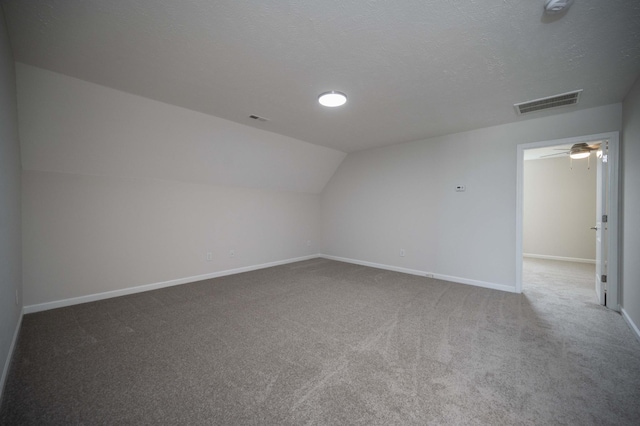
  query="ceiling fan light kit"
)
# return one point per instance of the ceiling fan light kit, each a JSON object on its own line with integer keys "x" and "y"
{"x": 580, "y": 154}
{"x": 582, "y": 150}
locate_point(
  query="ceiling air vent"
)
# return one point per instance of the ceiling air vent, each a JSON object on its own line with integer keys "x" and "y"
{"x": 564, "y": 99}
{"x": 258, "y": 118}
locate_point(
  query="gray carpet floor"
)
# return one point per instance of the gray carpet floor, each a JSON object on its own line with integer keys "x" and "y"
{"x": 323, "y": 342}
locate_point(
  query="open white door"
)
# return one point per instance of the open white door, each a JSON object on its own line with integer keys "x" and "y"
{"x": 601, "y": 227}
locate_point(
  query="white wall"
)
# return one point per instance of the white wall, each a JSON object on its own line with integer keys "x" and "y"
{"x": 631, "y": 205}
{"x": 10, "y": 252}
{"x": 87, "y": 234}
{"x": 402, "y": 196}
{"x": 559, "y": 208}
{"x": 121, "y": 191}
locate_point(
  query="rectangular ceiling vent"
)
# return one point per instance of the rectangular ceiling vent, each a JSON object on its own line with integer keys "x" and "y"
{"x": 564, "y": 99}
{"x": 258, "y": 118}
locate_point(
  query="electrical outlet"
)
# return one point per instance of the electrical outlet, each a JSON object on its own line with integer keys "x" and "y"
{"x": 402, "y": 253}
{"x": 232, "y": 253}
{"x": 461, "y": 188}
{"x": 209, "y": 256}
{"x": 428, "y": 275}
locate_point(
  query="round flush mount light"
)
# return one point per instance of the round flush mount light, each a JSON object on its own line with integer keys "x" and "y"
{"x": 332, "y": 99}
{"x": 552, "y": 7}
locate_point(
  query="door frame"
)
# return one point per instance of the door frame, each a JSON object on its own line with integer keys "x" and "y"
{"x": 613, "y": 265}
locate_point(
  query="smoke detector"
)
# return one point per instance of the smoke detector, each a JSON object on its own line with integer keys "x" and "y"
{"x": 551, "y": 7}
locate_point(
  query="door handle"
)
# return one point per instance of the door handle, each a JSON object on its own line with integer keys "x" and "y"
{"x": 595, "y": 228}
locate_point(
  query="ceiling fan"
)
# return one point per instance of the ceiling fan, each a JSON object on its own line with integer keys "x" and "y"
{"x": 577, "y": 151}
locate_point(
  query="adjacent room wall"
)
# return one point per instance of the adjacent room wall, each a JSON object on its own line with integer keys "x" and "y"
{"x": 10, "y": 242}
{"x": 559, "y": 208}
{"x": 631, "y": 206}
{"x": 403, "y": 197}
{"x": 121, "y": 191}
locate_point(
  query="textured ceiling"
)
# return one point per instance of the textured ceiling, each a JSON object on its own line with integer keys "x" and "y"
{"x": 412, "y": 69}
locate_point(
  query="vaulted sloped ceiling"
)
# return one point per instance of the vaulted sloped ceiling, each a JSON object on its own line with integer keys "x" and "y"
{"x": 72, "y": 126}
{"x": 412, "y": 69}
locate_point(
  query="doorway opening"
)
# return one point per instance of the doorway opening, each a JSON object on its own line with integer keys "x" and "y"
{"x": 584, "y": 171}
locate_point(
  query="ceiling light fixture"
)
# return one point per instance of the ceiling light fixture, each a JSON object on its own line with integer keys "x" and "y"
{"x": 580, "y": 153}
{"x": 332, "y": 99}
{"x": 552, "y": 7}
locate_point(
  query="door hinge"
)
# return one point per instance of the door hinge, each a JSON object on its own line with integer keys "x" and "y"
{"x": 603, "y": 278}
{"x": 605, "y": 218}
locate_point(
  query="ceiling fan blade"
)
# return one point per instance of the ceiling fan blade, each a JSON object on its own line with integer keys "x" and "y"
{"x": 553, "y": 155}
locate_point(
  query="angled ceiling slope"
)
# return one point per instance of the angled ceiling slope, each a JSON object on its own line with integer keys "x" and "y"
{"x": 411, "y": 69}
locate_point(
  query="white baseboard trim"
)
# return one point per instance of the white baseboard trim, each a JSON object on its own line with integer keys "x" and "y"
{"x": 477, "y": 283}
{"x": 449, "y": 278}
{"x": 7, "y": 363}
{"x": 563, "y": 259}
{"x": 375, "y": 265}
{"x": 147, "y": 287}
{"x": 629, "y": 321}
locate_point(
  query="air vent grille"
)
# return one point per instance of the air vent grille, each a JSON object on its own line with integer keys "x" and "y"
{"x": 258, "y": 118}
{"x": 563, "y": 99}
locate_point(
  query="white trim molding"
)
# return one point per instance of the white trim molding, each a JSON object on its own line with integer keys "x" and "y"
{"x": 476, "y": 283}
{"x": 154, "y": 286}
{"x": 560, "y": 258}
{"x": 449, "y": 278}
{"x": 629, "y": 321}
{"x": 7, "y": 363}
{"x": 375, "y": 265}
